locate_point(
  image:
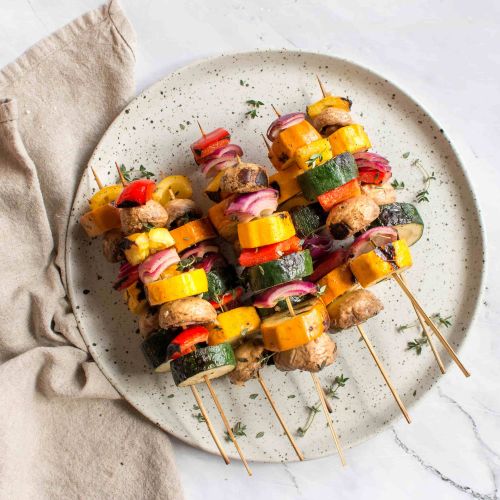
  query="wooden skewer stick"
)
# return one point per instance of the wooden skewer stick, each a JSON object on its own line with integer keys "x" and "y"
{"x": 201, "y": 129}
{"x": 100, "y": 185}
{"x": 227, "y": 425}
{"x": 171, "y": 193}
{"x": 428, "y": 336}
{"x": 266, "y": 143}
{"x": 329, "y": 421}
{"x": 292, "y": 313}
{"x": 400, "y": 403}
{"x": 278, "y": 416}
{"x": 217, "y": 442}
{"x": 120, "y": 173}
{"x": 238, "y": 159}
{"x": 278, "y": 114}
{"x": 431, "y": 324}
{"x": 323, "y": 90}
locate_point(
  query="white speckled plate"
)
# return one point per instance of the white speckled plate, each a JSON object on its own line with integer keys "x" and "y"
{"x": 155, "y": 130}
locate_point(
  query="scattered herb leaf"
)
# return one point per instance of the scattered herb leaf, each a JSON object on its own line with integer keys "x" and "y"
{"x": 238, "y": 431}
{"x": 397, "y": 185}
{"x": 259, "y": 435}
{"x": 184, "y": 264}
{"x": 199, "y": 417}
{"x": 314, "y": 160}
{"x": 405, "y": 155}
{"x": 423, "y": 194}
{"x": 253, "y": 396}
{"x": 252, "y": 113}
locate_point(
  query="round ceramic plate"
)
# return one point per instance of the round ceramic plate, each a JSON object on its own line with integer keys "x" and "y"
{"x": 156, "y": 129}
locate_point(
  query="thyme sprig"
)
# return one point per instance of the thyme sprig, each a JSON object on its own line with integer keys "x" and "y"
{"x": 423, "y": 194}
{"x": 398, "y": 185}
{"x": 314, "y": 160}
{"x": 417, "y": 343}
{"x": 132, "y": 174}
{"x": 255, "y": 104}
{"x": 331, "y": 392}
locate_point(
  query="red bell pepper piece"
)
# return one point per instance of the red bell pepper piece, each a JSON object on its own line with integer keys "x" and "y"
{"x": 340, "y": 194}
{"x": 329, "y": 263}
{"x": 227, "y": 298}
{"x": 373, "y": 176}
{"x": 255, "y": 256}
{"x": 207, "y": 144}
{"x": 136, "y": 193}
{"x": 186, "y": 341}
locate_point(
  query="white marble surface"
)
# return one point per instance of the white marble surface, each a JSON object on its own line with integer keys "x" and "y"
{"x": 447, "y": 55}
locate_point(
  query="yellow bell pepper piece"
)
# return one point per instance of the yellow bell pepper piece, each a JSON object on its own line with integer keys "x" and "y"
{"x": 234, "y": 324}
{"x": 136, "y": 298}
{"x": 329, "y": 101}
{"x": 380, "y": 263}
{"x": 313, "y": 154}
{"x": 177, "y": 287}
{"x": 266, "y": 230}
{"x": 170, "y": 271}
{"x": 180, "y": 186}
{"x": 160, "y": 239}
{"x": 224, "y": 225}
{"x": 105, "y": 195}
{"x": 351, "y": 138}
{"x": 192, "y": 233}
{"x": 100, "y": 220}
{"x": 289, "y": 140}
{"x": 138, "y": 250}
{"x": 337, "y": 282}
{"x": 281, "y": 331}
{"x": 285, "y": 182}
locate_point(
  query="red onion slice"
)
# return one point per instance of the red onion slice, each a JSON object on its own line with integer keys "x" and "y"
{"x": 376, "y": 236}
{"x": 200, "y": 250}
{"x": 319, "y": 245}
{"x": 210, "y": 261}
{"x": 330, "y": 262}
{"x": 294, "y": 288}
{"x": 372, "y": 161}
{"x": 282, "y": 123}
{"x": 250, "y": 205}
{"x": 151, "y": 269}
{"x": 211, "y": 167}
{"x": 230, "y": 149}
{"x": 127, "y": 275}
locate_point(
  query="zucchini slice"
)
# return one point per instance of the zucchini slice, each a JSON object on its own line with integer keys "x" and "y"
{"x": 308, "y": 219}
{"x": 331, "y": 175}
{"x": 155, "y": 346}
{"x": 290, "y": 267}
{"x": 212, "y": 362}
{"x": 404, "y": 217}
{"x": 220, "y": 280}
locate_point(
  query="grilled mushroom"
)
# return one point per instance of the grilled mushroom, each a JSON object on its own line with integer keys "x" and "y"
{"x": 244, "y": 178}
{"x": 187, "y": 311}
{"x": 311, "y": 357}
{"x": 180, "y": 211}
{"x": 354, "y": 308}
{"x": 111, "y": 245}
{"x": 351, "y": 216}
{"x": 248, "y": 356}
{"x": 148, "y": 322}
{"x": 330, "y": 120}
{"x": 134, "y": 219}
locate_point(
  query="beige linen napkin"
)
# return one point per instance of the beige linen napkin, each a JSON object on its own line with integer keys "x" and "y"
{"x": 64, "y": 431}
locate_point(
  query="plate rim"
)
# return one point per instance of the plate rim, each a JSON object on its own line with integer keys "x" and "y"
{"x": 305, "y": 53}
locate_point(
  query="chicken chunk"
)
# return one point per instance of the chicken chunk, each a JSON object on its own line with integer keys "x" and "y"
{"x": 134, "y": 219}
{"x": 311, "y": 357}
{"x": 381, "y": 195}
{"x": 351, "y": 216}
{"x": 244, "y": 178}
{"x": 248, "y": 356}
{"x": 354, "y": 308}
{"x": 187, "y": 311}
{"x": 111, "y": 245}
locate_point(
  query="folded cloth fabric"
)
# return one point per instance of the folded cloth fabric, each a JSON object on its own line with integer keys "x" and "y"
{"x": 64, "y": 432}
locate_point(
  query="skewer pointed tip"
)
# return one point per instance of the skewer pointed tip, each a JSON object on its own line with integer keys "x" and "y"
{"x": 266, "y": 143}
{"x": 323, "y": 90}
{"x": 201, "y": 129}
{"x": 120, "y": 174}
{"x": 100, "y": 185}
{"x": 278, "y": 114}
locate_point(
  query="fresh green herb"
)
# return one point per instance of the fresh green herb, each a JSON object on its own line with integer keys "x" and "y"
{"x": 144, "y": 173}
{"x": 253, "y": 396}
{"x": 252, "y": 113}
{"x": 170, "y": 396}
{"x": 196, "y": 407}
{"x": 132, "y": 174}
{"x": 443, "y": 321}
{"x": 423, "y": 194}
{"x": 199, "y": 417}
{"x": 331, "y": 392}
{"x": 261, "y": 270}
{"x": 127, "y": 174}
{"x": 397, "y": 185}
{"x": 182, "y": 126}
{"x": 147, "y": 226}
{"x": 238, "y": 431}
{"x": 243, "y": 83}
{"x": 291, "y": 396}
{"x": 405, "y": 155}
{"x": 321, "y": 291}
{"x": 314, "y": 160}
{"x": 259, "y": 435}
{"x": 263, "y": 360}
{"x": 184, "y": 264}
{"x": 417, "y": 344}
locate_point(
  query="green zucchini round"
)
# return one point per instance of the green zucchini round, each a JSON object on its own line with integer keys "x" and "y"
{"x": 220, "y": 281}
{"x": 403, "y": 217}
{"x": 308, "y": 219}
{"x": 155, "y": 346}
{"x": 211, "y": 362}
{"x": 332, "y": 174}
{"x": 288, "y": 268}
